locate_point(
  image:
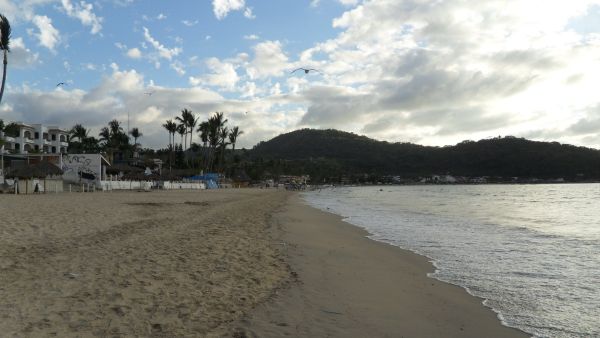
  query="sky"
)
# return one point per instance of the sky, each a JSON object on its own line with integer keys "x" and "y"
{"x": 432, "y": 72}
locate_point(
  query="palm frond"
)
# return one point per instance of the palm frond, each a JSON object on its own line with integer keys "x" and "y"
{"x": 5, "y": 31}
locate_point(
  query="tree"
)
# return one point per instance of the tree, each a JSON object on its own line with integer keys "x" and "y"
{"x": 204, "y": 129}
{"x": 135, "y": 132}
{"x": 114, "y": 138}
{"x": 181, "y": 131}
{"x": 215, "y": 123}
{"x": 233, "y": 135}
{"x": 184, "y": 119}
{"x": 171, "y": 127}
{"x": 5, "y": 31}
{"x": 192, "y": 121}
{"x": 223, "y": 133}
{"x": 79, "y": 132}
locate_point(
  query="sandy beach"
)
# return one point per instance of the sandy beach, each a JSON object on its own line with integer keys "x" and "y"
{"x": 246, "y": 262}
{"x": 135, "y": 264}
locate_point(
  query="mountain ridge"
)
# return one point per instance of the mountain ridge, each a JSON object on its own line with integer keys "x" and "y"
{"x": 353, "y": 154}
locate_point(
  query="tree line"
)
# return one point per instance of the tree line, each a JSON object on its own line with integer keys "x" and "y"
{"x": 329, "y": 155}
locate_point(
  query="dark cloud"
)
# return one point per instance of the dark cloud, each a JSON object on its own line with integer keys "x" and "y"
{"x": 334, "y": 107}
{"x": 439, "y": 88}
{"x": 589, "y": 124}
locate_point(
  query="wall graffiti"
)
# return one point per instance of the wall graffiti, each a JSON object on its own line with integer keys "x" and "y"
{"x": 81, "y": 168}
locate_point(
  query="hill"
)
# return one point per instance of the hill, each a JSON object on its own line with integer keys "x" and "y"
{"x": 325, "y": 153}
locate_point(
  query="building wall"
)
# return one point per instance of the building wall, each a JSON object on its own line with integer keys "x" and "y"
{"x": 28, "y": 142}
{"x": 82, "y": 168}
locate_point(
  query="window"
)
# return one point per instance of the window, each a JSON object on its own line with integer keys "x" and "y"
{"x": 53, "y": 149}
{"x": 53, "y": 137}
{"x": 37, "y": 135}
{"x": 62, "y": 138}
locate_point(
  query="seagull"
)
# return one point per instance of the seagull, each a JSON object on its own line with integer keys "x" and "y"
{"x": 306, "y": 70}
{"x": 149, "y": 93}
{"x": 61, "y": 84}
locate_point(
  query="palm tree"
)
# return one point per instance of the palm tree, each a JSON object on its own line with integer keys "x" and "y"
{"x": 171, "y": 127}
{"x": 233, "y": 135}
{"x": 5, "y": 47}
{"x": 223, "y": 133}
{"x": 114, "y": 138}
{"x": 115, "y": 127}
{"x": 184, "y": 119}
{"x": 204, "y": 129}
{"x": 78, "y": 131}
{"x": 215, "y": 125}
{"x": 192, "y": 122}
{"x": 135, "y": 132}
{"x": 181, "y": 131}
{"x": 104, "y": 135}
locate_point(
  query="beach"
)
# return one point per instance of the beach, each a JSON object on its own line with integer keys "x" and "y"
{"x": 230, "y": 262}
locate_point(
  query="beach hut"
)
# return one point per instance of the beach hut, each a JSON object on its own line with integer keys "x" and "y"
{"x": 37, "y": 178}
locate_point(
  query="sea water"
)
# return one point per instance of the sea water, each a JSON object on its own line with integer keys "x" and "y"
{"x": 531, "y": 251}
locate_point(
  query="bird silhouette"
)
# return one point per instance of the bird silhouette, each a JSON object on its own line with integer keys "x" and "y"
{"x": 61, "y": 84}
{"x": 306, "y": 70}
{"x": 149, "y": 93}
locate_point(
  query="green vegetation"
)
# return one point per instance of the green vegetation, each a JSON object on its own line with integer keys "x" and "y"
{"x": 331, "y": 155}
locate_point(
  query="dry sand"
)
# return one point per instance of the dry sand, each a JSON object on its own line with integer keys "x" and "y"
{"x": 129, "y": 264}
{"x": 213, "y": 263}
{"x": 351, "y": 286}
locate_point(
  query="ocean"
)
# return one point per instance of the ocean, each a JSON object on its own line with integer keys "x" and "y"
{"x": 532, "y": 252}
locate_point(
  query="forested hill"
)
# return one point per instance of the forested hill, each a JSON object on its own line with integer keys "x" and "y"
{"x": 348, "y": 153}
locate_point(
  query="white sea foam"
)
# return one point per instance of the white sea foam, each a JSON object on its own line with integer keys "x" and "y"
{"x": 532, "y": 252}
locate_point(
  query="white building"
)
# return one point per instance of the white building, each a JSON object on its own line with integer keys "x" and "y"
{"x": 37, "y": 138}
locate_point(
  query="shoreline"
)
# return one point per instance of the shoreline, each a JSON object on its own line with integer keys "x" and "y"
{"x": 351, "y": 285}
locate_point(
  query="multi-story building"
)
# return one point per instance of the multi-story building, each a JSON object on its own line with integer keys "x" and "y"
{"x": 37, "y": 138}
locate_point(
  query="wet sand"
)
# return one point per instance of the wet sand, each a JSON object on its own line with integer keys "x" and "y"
{"x": 351, "y": 286}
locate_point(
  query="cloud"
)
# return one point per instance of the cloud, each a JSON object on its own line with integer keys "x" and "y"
{"x": 269, "y": 60}
{"x": 190, "y": 23}
{"x": 134, "y": 53}
{"x": 222, "y": 7}
{"x": 450, "y": 70}
{"x": 163, "y": 52}
{"x": 84, "y": 13}
{"x": 48, "y": 36}
{"x": 116, "y": 94}
{"x": 248, "y": 13}
{"x": 589, "y": 124}
{"x": 251, "y": 37}
{"x": 348, "y": 2}
{"x": 161, "y": 16}
{"x": 223, "y": 75}
{"x": 21, "y": 56}
{"x": 178, "y": 68}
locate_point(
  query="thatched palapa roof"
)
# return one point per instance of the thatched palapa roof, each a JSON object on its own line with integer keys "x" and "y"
{"x": 38, "y": 170}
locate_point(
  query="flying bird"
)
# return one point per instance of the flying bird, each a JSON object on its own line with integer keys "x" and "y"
{"x": 306, "y": 70}
{"x": 149, "y": 93}
{"x": 61, "y": 84}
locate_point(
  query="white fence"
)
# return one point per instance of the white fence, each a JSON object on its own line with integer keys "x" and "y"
{"x": 148, "y": 185}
